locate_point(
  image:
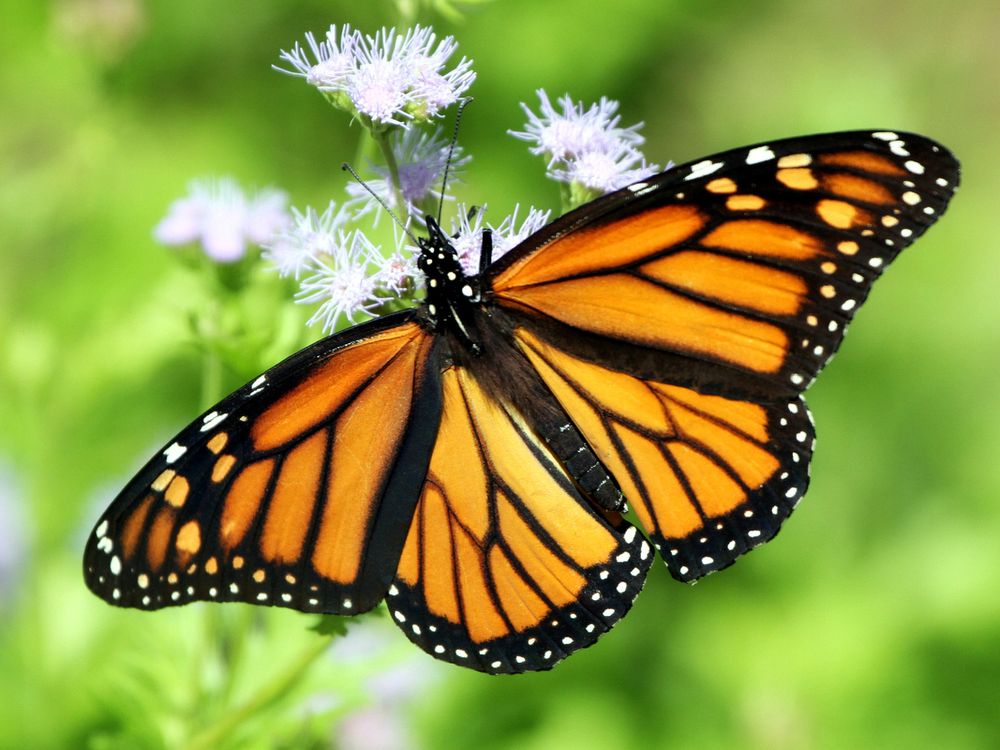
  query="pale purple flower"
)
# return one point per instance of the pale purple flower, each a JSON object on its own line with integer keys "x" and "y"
{"x": 420, "y": 158}
{"x": 182, "y": 224}
{"x": 606, "y": 171}
{"x": 223, "y": 224}
{"x": 586, "y": 145}
{"x": 434, "y": 91}
{"x": 389, "y": 78}
{"x": 468, "y": 235}
{"x": 218, "y": 214}
{"x": 310, "y": 236}
{"x": 378, "y": 90}
{"x": 575, "y": 130}
{"x": 341, "y": 281}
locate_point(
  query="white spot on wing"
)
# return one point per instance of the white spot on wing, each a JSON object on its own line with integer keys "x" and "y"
{"x": 898, "y": 148}
{"x": 212, "y": 420}
{"x": 703, "y": 168}
{"x": 174, "y": 451}
{"x": 759, "y": 154}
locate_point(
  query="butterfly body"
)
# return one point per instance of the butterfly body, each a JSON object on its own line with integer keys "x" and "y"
{"x": 452, "y": 297}
{"x": 469, "y": 461}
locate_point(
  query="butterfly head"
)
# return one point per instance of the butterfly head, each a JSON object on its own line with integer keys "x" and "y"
{"x": 451, "y": 295}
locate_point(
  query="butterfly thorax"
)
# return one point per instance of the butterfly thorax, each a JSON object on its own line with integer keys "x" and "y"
{"x": 452, "y": 296}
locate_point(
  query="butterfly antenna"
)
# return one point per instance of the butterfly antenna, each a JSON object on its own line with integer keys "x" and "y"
{"x": 451, "y": 151}
{"x": 348, "y": 168}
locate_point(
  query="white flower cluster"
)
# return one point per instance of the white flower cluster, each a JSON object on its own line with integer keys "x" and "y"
{"x": 585, "y": 145}
{"x": 219, "y": 215}
{"x": 389, "y": 78}
{"x": 395, "y": 83}
{"x": 342, "y": 270}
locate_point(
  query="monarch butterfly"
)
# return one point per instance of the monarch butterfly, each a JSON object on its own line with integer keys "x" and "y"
{"x": 469, "y": 460}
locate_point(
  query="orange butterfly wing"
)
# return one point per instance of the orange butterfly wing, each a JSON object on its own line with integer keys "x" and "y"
{"x": 295, "y": 491}
{"x": 678, "y": 320}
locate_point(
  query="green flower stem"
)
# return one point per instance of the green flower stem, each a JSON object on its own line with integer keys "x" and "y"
{"x": 270, "y": 693}
{"x": 382, "y": 139}
{"x": 207, "y": 328}
{"x": 365, "y": 151}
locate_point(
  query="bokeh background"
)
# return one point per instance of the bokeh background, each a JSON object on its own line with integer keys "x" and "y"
{"x": 872, "y": 621}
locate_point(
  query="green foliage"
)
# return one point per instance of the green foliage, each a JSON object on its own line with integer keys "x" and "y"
{"x": 872, "y": 621}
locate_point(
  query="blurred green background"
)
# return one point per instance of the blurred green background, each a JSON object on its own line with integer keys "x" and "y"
{"x": 872, "y": 621}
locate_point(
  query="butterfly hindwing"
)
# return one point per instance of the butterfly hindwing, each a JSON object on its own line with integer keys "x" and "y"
{"x": 708, "y": 477}
{"x": 745, "y": 267}
{"x": 297, "y": 490}
{"x": 507, "y": 568}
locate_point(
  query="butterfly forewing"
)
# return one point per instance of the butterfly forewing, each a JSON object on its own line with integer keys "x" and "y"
{"x": 749, "y": 264}
{"x": 296, "y": 491}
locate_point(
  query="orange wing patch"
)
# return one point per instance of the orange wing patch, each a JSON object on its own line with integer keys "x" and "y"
{"x": 506, "y": 567}
{"x": 635, "y": 308}
{"x": 587, "y": 251}
{"x": 708, "y": 477}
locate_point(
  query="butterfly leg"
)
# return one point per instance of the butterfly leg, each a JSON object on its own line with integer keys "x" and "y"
{"x": 486, "y": 252}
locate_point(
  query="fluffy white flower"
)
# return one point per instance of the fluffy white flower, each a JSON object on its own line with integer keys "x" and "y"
{"x": 389, "y": 78}
{"x": 341, "y": 281}
{"x": 217, "y": 213}
{"x": 585, "y": 145}
{"x": 310, "y": 236}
